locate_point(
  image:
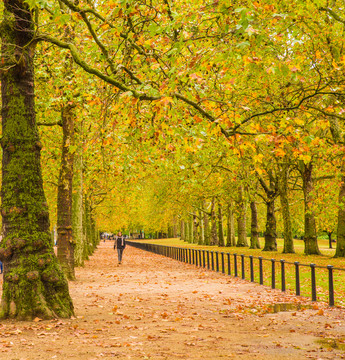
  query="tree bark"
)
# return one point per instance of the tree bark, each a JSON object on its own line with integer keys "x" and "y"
{"x": 284, "y": 202}
{"x": 254, "y": 234}
{"x": 65, "y": 241}
{"x": 329, "y": 234}
{"x": 191, "y": 229}
{"x": 182, "y": 230}
{"x": 340, "y": 247}
{"x": 206, "y": 229}
{"x": 271, "y": 226}
{"x": 230, "y": 236}
{"x": 175, "y": 228}
{"x": 338, "y": 138}
{"x": 220, "y": 226}
{"x": 77, "y": 207}
{"x": 214, "y": 234}
{"x": 34, "y": 284}
{"x": 241, "y": 221}
{"x": 187, "y": 232}
{"x": 310, "y": 237}
{"x": 271, "y": 192}
{"x": 196, "y": 233}
{"x": 88, "y": 228}
{"x": 202, "y": 229}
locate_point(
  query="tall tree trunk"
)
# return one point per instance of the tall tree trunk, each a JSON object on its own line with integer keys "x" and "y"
{"x": 271, "y": 226}
{"x": 338, "y": 138}
{"x": 191, "y": 229}
{"x": 241, "y": 221}
{"x": 271, "y": 191}
{"x": 220, "y": 226}
{"x": 182, "y": 230}
{"x": 65, "y": 241}
{"x": 196, "y": 234}
{"x": 254, "y": 234}
{"x": 230, "y": 236}
{"x": 340, "y": 247}
{"x": 87, "y": 228}
{"x": 34, "y": 284}
{"x": 175, "y": 228}
{"x": 329, "y": 234}
{"x": 202, "y": 229}
{"x": 170, "y": 231}
{"x": 187, "y": 227}
{"x": 214, "y": 234}
{"x": 284, "y": 202}
{"x": 206, "y": 229}
{"x": 310, "y": 237}
{"x": 77, "y": 207}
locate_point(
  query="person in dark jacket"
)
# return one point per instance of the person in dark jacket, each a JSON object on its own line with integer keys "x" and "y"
{"x": 120, "y": 244}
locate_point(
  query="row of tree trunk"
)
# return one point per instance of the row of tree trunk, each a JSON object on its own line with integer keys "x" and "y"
{"x": 35, "y": 284}
{"x": 198, "y": 230}
{"x": 207, "y": 228}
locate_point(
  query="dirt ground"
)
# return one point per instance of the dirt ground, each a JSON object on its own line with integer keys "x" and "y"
{"x": 152, "y": 307}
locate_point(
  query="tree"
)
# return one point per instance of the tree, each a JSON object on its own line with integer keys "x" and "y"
{"x": 34, "y": 285}
{"x": 254, "y": 234}
{"x": 310, "y": 235}
{"x": 271, "y": 193}
{"x": 65, "y": 240}
{"x": 241, "y": 219}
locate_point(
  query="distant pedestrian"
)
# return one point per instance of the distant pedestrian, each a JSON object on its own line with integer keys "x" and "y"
{"x": 120, "y": 244}
{"x": 1, "y": 268}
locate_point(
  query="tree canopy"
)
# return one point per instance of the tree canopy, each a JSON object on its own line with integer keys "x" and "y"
{"x": 182, "y": 114}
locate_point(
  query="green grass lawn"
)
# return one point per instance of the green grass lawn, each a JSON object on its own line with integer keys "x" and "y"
{"x": 305, "y": 271}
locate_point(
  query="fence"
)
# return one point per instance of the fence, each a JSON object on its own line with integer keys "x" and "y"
{"x": 237, "y": 265}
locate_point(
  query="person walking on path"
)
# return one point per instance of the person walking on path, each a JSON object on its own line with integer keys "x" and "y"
{"x": 120, "y": 244}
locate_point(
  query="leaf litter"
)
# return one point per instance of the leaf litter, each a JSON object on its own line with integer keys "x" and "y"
{"x": 200, "y": 315}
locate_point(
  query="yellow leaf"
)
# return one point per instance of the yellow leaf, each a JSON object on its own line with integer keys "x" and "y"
{"x": 258, "y": 158}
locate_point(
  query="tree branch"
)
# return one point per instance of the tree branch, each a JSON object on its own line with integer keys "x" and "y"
{"x": 59, "y": 123}
{"x": 334, "y": 15}
{"x": 89, "y": 69}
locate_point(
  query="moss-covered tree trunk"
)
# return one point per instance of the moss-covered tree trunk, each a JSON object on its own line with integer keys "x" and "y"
{"x": 230, "y": 236}
{"x": 254, "y": 227}
{"x": 241, "y": 220}
{"x": 65, "y": 241}
{"x": 77, "y": 206}
{"x": 221, "y": 241}
{"x": 311, "y": 246}
{"x": 284, "y": 202}
{"x": 34, "y": 284}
